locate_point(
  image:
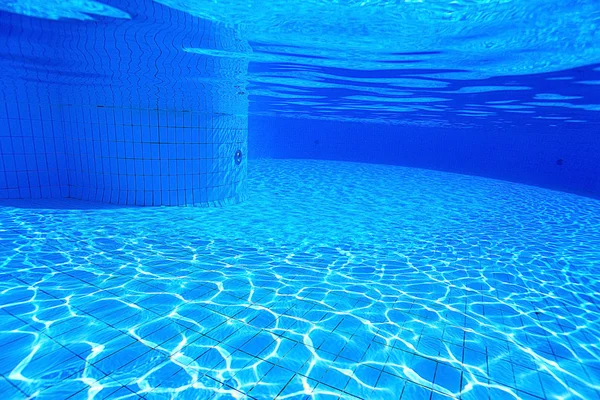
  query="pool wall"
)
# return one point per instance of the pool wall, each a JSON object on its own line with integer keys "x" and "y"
{"x": 116, "y": 110}
{"x": 524, "y": 155}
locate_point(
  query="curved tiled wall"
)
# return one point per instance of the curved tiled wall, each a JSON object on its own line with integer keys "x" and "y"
{"x": 115, "y": 110}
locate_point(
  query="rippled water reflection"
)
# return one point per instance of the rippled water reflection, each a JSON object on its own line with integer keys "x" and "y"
{"x": 333, "y": 280}
{"x": 429, "y": 63}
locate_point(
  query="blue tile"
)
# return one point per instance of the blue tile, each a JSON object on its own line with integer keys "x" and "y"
{"x": 66, "y": 389}
{"x": 448, "y": 378}
{"x": 299, "y": 387}
{"x": 118, "y": 393}
{"x": 246, "y": 377}
{"x": 527, "y": 396}
{"x": 258, "y": 344}
{"x": 120, "y": 358}
{"x": 194, "y": 349}
{"x": 210, "y": 358}
{"x": 272, "y": 383}
{"x": 176, "y": 342}
{"x": 263, "y": 320}
{"x": 502, "y": 372}
{"x": 528, "y": 380}
{"x": 171, "y": 376}
{"x": 476, "y": 359}
{"x": 190, "y": 393}
{"x": 296, "y": 357}
{"x": 379, "y": 355}
{"x": 472, "y": 391}
{"x": 552, "y": 387}
{"x": 424, "y": 367}
{"x": 323, "y": 391}
{"x": 277, "y": 350}
{"x": 235, "y": 335}
{"x": 333, "y": 343}
{"x": 129, "y": 372}
{"x": 9, "y": 389}
{"x": 388, "y": 386}
{"x": 18, "y": 348}
{"x": 80, "y": 341}
{"x": 414, "y": 391}
{"x": 430, "y": 347}
{"x": 225, "y": 329}
{"x": 335, "y": 379}
{"x": 503, "y": 393}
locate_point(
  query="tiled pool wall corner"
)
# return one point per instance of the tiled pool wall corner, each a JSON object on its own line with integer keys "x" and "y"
{"x": 130, "y": 121}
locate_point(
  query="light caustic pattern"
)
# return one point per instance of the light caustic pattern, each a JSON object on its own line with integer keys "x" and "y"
{"x": 335, "y": 280}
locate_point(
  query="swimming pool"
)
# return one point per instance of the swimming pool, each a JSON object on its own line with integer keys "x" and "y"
{"x": 300, "y": 199}
{"x": 333, "y": 280}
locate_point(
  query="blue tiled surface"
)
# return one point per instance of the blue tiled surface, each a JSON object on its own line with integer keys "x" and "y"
{"x": 243, "y": 303}
{"x": 104, "y": 120}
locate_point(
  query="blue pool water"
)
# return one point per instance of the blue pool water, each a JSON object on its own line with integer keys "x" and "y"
{"x": 408, "y": 284}
{"x": 300, "y": 199}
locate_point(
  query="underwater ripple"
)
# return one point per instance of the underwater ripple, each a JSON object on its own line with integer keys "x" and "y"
{"x": 335, "y": 280}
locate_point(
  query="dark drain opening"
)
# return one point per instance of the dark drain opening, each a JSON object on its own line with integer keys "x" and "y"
{"x": 238, "y": 157}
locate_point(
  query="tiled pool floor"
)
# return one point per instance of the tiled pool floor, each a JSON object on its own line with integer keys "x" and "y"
{"x": 334, "y": 280}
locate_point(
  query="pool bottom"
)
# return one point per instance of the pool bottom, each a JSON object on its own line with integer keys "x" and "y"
{"x": 334, "y": 280}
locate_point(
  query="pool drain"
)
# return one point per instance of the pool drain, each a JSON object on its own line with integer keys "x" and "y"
{"x": 238, "y": 157}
